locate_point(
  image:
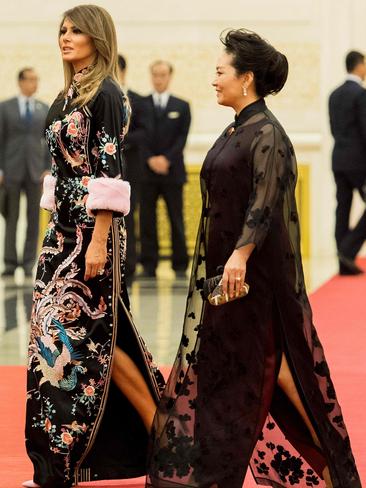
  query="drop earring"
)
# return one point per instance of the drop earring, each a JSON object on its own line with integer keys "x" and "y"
{"x": 245, "y": 93}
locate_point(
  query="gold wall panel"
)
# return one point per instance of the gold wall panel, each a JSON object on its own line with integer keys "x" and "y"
{"x": 303, "y": 206}
{"x": 192, "y": 211}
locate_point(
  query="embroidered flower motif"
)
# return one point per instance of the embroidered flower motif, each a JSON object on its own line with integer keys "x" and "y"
{"x": 85, "y": 180}
{"x": 76, "y": 117}
{"x": 78, "y": 77}
{"x": 72, "y": 130}
{"x": 110, "y": 148}
{"x": 89, "y": 391}
{"x": 47, "y": 425}
{"x": 67, "y": 438}
{"x": 56, "y": 126}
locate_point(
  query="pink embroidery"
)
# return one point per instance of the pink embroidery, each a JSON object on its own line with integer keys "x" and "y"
{"x": 110, "y": 148}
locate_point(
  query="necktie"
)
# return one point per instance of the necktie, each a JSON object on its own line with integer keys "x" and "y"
{"x": 28, "y": 112}
{"x": 159, "y": 105}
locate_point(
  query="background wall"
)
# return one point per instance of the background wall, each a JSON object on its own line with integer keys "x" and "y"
{"x": 314, "y": 34}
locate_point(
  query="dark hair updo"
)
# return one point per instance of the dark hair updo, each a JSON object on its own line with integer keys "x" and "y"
{"x": 252, "y": 53}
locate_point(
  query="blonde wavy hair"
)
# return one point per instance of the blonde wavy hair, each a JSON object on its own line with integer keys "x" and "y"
{"x": 96, "y": 23}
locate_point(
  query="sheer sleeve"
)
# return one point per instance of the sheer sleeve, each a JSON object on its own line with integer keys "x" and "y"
{"x": 109, "y": 120}
{"x": 270, "y": 179}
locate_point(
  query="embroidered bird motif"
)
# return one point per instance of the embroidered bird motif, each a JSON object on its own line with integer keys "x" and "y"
{"x": 75, "y": 427}
{"x": 52, "y": 361}
{"x": 69, "y": 383}
{"x": 92, "y": 346}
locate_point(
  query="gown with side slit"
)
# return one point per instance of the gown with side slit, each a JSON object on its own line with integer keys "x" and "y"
{"x": 222, "y": 410}
{"x": 79, "y": 426}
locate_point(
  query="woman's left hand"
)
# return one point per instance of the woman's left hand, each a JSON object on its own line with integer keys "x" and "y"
{"x": 95, "y": 259}
{"x": 235, "y": 270}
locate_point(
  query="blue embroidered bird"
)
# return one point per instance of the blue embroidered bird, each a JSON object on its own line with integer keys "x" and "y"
{"x": 69, "y": 383}
{"x": 52, "y": 361}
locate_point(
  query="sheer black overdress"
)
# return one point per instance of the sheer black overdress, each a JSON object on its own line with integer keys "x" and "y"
{"x": 222, "y": 409}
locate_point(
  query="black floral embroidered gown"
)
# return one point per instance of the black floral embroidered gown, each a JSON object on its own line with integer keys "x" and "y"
{"x": 222, "y": 409}
{"x": 79, "y": 426}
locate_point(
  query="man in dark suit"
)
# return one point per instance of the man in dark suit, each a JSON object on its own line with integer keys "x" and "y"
{"x": 347, "y": 110}
{"x": 24, "y": 159}
{"x": 134, "y": 141}
{"x": 164, "y": 172}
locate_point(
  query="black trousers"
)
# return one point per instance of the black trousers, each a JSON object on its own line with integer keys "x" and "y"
{"x": 172, "y": 193}
{"x": 131, "y": 254}
{"x": 349, "y": 241}
{"x": 33, "y": 194}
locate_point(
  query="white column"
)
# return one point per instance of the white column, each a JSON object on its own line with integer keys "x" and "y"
{"x": 335, "y": 24}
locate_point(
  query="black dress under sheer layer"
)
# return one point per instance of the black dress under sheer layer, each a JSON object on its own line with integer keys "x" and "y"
{"x": 222, "y": 409}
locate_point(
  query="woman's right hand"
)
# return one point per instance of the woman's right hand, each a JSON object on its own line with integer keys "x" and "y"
{"x": 235, "y": 270}
{"x": 95, "y": 259}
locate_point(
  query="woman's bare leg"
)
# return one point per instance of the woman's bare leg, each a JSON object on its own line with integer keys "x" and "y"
{"x": 287, "y": 384}
{"x": 130, "y": 381}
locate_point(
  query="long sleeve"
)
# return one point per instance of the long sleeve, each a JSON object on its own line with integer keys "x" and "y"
{"x": 361, "y": 114}
{"x": 270, "y": 179}
{"x": 331, "y": 115}
{"x": 48, "y": 201}
{"x": 47, "y": 159}
{"x": 109, "y": 119}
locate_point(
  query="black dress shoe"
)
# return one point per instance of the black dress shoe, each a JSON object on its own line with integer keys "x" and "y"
{"x": 347, "y": 266}
{"x": 344, "y": 271}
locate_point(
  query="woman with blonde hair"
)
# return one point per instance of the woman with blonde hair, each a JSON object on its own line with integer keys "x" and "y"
{"x": 80, "y": 425}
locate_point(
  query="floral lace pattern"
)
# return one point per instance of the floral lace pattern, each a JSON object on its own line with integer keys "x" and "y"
{"x": 222, "y": 410}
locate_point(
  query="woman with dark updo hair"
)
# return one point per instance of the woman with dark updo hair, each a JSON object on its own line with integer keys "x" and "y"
{"x": 250, "y": 384}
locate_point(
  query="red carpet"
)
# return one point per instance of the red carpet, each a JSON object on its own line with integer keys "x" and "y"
{"x": 340, "y": 316}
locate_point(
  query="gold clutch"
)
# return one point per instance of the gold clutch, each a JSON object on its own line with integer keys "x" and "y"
{"x": 217, "y": 297}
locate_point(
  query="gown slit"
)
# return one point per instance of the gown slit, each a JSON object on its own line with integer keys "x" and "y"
{"x": 79, "y": 425}
{"x": 300, "y": 436}
{"x": 304, "y": 442}
{"x": 222, "y": 409}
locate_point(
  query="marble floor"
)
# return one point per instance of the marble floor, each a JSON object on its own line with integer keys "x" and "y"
{"x": 157, "y": 306}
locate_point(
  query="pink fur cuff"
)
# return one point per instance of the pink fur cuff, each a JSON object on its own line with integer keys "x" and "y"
{"x": 108, "y": 194}
{"x": 48, "y": 197}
